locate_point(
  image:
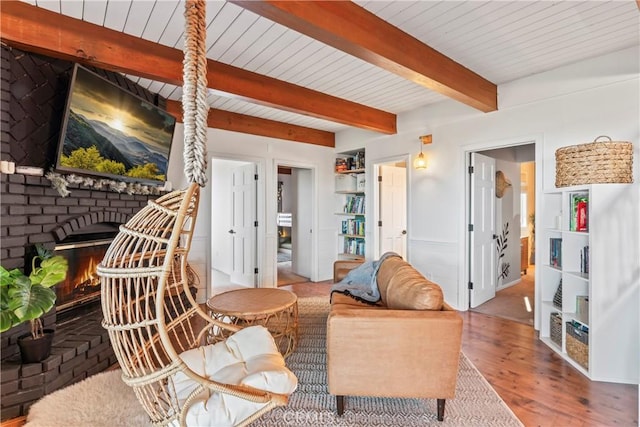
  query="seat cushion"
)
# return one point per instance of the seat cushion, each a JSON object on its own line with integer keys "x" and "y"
{"x": 249, "y": 357}
{"x": 402, "y": 287}
{"x": 341, "y": 300}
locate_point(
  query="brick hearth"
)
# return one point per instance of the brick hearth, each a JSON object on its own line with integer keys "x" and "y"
{"x": 32, "y": 98}
{"x": 80, "y": 349}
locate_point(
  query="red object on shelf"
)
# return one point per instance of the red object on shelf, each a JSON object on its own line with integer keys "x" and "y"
{"x": 582, "y": 222}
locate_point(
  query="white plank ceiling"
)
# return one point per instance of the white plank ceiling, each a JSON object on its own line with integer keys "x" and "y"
{"x": 500, "y": 40}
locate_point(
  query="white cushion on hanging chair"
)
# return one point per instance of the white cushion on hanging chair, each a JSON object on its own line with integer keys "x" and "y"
{"x": 249, "y": 357}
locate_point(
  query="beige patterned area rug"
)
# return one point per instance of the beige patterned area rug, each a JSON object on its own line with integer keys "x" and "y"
{"x": 103, "y": 400}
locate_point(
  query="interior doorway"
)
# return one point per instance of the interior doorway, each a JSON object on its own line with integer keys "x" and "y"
{"x": 294, "y": 220}
{"x": 390, "y": 207}
{"x": 501, "y": 243}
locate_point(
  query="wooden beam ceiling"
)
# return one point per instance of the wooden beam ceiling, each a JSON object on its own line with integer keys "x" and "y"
{"x": 38, "y": 30}
{"x": 220, "y": 119}
{"x": 358, "y": 32}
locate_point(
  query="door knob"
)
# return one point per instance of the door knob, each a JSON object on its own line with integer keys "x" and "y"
{"x": 231, "y": 231}
{"x": 404, "y": 232}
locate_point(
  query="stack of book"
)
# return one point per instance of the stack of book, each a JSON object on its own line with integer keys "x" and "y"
{"x": 341, "y": 165}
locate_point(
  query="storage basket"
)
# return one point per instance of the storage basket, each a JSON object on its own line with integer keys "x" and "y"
{"x": 345, "y": 182}
{"x": 555, "y": 330}
{"x": 577, "y": 342}
{"x": 598, "y": 162}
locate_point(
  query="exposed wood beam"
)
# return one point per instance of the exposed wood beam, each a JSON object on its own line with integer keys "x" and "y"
{"x": 38, "y": 30}
{"x": 220, "y": 119}
{"x": 354, "y": 30}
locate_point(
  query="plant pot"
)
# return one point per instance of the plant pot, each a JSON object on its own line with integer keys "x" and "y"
{"x": 35, "y": 350}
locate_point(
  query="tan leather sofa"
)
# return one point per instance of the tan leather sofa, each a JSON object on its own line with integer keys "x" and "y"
{"x": 401, "y": 347}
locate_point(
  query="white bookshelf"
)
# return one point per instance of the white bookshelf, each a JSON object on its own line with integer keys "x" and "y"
{"x": 350, "y": 242}
{"x": 611, "y": 284}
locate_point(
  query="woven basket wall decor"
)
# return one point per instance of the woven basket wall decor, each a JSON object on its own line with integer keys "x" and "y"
{"x": 597, "y": 162}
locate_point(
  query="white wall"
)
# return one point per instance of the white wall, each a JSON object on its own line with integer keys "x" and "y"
{"x": 508, "y": 210}
{"x": 267, "y": 153}
{"x": 567, "y": 106}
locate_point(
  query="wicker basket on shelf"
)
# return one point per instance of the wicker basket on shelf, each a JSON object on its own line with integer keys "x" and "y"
{"x": 555, "y": 331}
{"x": 577, "y": 343}
{"x": 598, "y": 162}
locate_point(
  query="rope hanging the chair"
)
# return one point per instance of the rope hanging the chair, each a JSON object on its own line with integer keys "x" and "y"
{"x": 194, "y": 92}
{"x": 148, "y": 305}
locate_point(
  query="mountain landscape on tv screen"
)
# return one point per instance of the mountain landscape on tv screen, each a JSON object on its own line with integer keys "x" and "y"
{"x": 111, "y": 143}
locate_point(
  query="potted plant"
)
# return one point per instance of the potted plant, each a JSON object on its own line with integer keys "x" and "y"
{"x": 27, "y": 298}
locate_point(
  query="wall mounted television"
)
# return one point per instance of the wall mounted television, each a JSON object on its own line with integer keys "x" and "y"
{"x": 109, "y": 132}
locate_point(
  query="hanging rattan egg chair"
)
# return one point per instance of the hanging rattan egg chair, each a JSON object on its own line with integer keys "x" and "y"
{"x": 156, "y": 327}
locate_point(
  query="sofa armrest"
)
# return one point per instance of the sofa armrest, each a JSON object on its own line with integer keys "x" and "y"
{"x": 394, "y": 353}
{"x": 342, "y": 267}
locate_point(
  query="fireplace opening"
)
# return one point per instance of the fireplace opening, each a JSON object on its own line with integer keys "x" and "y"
{"x": 83, "y": 249}
{"x": 82, "y": 285}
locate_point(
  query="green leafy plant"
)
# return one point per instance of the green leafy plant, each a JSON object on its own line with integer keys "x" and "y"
{"x": 501, "y": 246}
{"x": 27, "y": 298}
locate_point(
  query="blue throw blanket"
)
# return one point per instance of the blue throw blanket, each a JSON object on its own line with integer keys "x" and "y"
{"x": 361, "y": 283}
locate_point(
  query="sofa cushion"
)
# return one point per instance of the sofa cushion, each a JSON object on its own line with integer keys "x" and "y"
{"x": 342, "y": 300}
{"x": 402, "y": 287}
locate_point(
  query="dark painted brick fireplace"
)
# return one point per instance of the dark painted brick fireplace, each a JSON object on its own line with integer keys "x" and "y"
{"x": 32, "y": 97}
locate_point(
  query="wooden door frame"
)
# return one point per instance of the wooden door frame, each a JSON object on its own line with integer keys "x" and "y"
{"x": 463, "y": 252}
{"x": 273, "y": 207}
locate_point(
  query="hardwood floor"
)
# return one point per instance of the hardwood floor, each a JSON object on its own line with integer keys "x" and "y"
{"x": 539, "y": 387}
{"x": 516, "y": 302}
{"x": 286, "y": 276}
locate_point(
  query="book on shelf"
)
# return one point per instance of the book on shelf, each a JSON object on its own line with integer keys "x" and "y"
{"x": 579, "y": 212}
{"x": 354, "y": 162}
{"x": 555, "y": 252}
{"x": 354, "y": 246}
{"x": 353, "y": 226}
{"x": 584, "y": 260}
{"x": 355, "y": 204}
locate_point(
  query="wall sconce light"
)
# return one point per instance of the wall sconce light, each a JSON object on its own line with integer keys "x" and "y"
{"x": 420, "y": 162}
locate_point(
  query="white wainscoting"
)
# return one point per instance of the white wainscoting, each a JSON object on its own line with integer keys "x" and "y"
{"x": 438, "y": 262}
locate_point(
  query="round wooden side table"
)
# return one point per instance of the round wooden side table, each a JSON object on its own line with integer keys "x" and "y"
{"x": 275, "y": 309}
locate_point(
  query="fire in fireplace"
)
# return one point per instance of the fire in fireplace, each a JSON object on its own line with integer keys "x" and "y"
{"x": 82, "y": 285}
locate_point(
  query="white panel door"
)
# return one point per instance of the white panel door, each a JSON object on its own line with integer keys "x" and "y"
{"x": 482, "y": 217}
{"x": 302, "y": 220}
{"x": 243, "y": 225}
{"x": 393, "y": 210}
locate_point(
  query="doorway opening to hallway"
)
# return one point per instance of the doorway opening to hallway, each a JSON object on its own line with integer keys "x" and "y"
{"x": 501, "y": 217}
{"x": 294, "y": 221}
